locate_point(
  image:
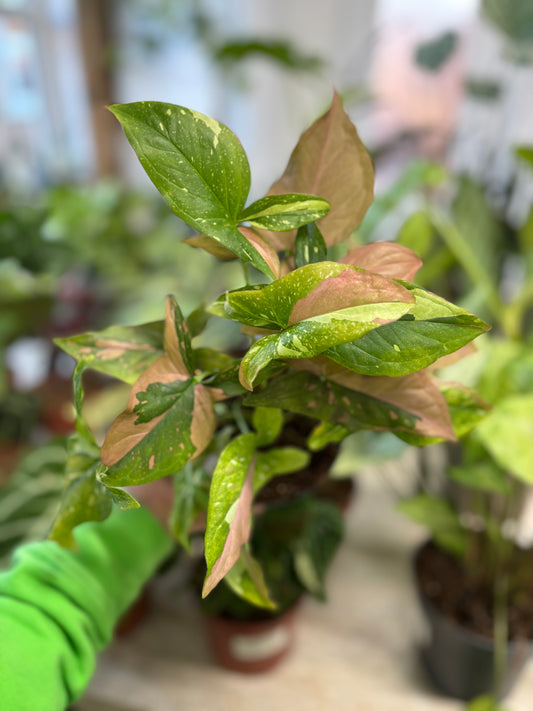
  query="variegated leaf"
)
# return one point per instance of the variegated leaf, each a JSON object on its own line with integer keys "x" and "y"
{"x": 314, "y": 335}
{"x": 282, "y": 213}
{"x": 387, "y": 258}
{"x": 311, "y": 290}
{"x": 331, "y": 161}
{"x": 230, "y": 509}
{"x": 198, "y": 165}
{"x": 168, "y": 421}
{"x": 123, "y": 352}
{"x": 433, "y": 329}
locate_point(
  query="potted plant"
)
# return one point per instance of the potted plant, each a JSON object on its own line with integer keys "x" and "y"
{"x": 338, "y": 338}
{"x": 475, "y": 577}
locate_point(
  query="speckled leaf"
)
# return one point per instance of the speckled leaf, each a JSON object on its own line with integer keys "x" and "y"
{"x": 309, "y": 246}
{"x": 308, "y": 394}
{"x": 387, "y": 258}
{"x": 197, "y": 164}
{"x": 432, "y": 329}
{"x": 246, "y": 579}
{"x": 282, "y": 213}
{"x": 313, "y": 336}
{"x": 176, "y": 339}
{"x": 120, "y": 351}
{"x": 167, "y": 422}
{"x": 85, "y": 499}
{"x": 321, "y": 287}
{"x": 230, "y": 508}
{"x": 331, "y": 161}
{"x": 406, "y": 405}
{"x": 417, "y": 393}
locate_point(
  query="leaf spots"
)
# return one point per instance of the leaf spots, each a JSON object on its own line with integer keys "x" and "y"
{"x": 151, "y": 462}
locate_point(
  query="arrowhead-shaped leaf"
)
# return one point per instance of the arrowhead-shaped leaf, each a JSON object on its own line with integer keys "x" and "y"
{"x": 282, "y": 213}
{"x": 387, "y": 258}
{"x": 120, "y": 351}
{"x": 331, "y": 161}
{"x": 198, "y": 165}
{"x": 230, "y": 509}
{"x": 168, "y": 421}
{"x": 432, "y": 329}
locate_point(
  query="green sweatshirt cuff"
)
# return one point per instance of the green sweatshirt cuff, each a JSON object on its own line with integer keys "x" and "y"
{"x": 58, "y": 607}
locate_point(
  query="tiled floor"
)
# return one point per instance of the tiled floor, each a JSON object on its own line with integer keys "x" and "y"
{"x": 358, "y": 652}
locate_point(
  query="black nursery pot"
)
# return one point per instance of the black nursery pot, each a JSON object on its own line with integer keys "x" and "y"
{"x": 461, "y": 662}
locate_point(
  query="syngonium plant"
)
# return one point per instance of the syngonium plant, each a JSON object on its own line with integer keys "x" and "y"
{"x": 345, "y": 342}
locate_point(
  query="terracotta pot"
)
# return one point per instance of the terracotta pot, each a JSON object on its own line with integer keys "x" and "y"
{"x": 251, "y": 646}
{"x": 459, "y": 661}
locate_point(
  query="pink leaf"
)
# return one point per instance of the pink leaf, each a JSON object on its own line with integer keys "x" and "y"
{"x": 387, "y": 258}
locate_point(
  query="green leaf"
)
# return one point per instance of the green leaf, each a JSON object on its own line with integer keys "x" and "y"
{"x": 267, "y": 422}
{"x": 120, "y": 351}
{"x": 309, "y": 246}
{"x": 326, "y": 433}
{"x": 246, "y": 579}
{"x": 198, "y": 165}
{"x": 85, "y": 499}
{"x": 483, "y": 476}
{"x": 168, "y": 420}
{"x": 526, "y": 153}
{"x": 412, "y": 404}
{"x": 191, "y": 495}
{"x": 308, "y": 394}
{"x": 440, "y": 518}
{"x": 416, "y": 233}
{"x": 123, "y": 499}
{"x": 282, "y": 213}
{"x": 466, "y": 408}
{"x": 176, "y": 338}
{"x": 315, "y": 335}
{"x": 230, "y": 508}
{"x": 432, "y": 329}
{"x": 507, "y": 434}
{"x": 276, "y": 462}
{"x": 321, "y": 532}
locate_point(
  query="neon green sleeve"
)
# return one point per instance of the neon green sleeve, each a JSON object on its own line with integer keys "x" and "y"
{"x": 58, "y": 607}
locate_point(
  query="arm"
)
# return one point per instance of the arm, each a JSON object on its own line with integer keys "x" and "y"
{"x": 58, "y": 607}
